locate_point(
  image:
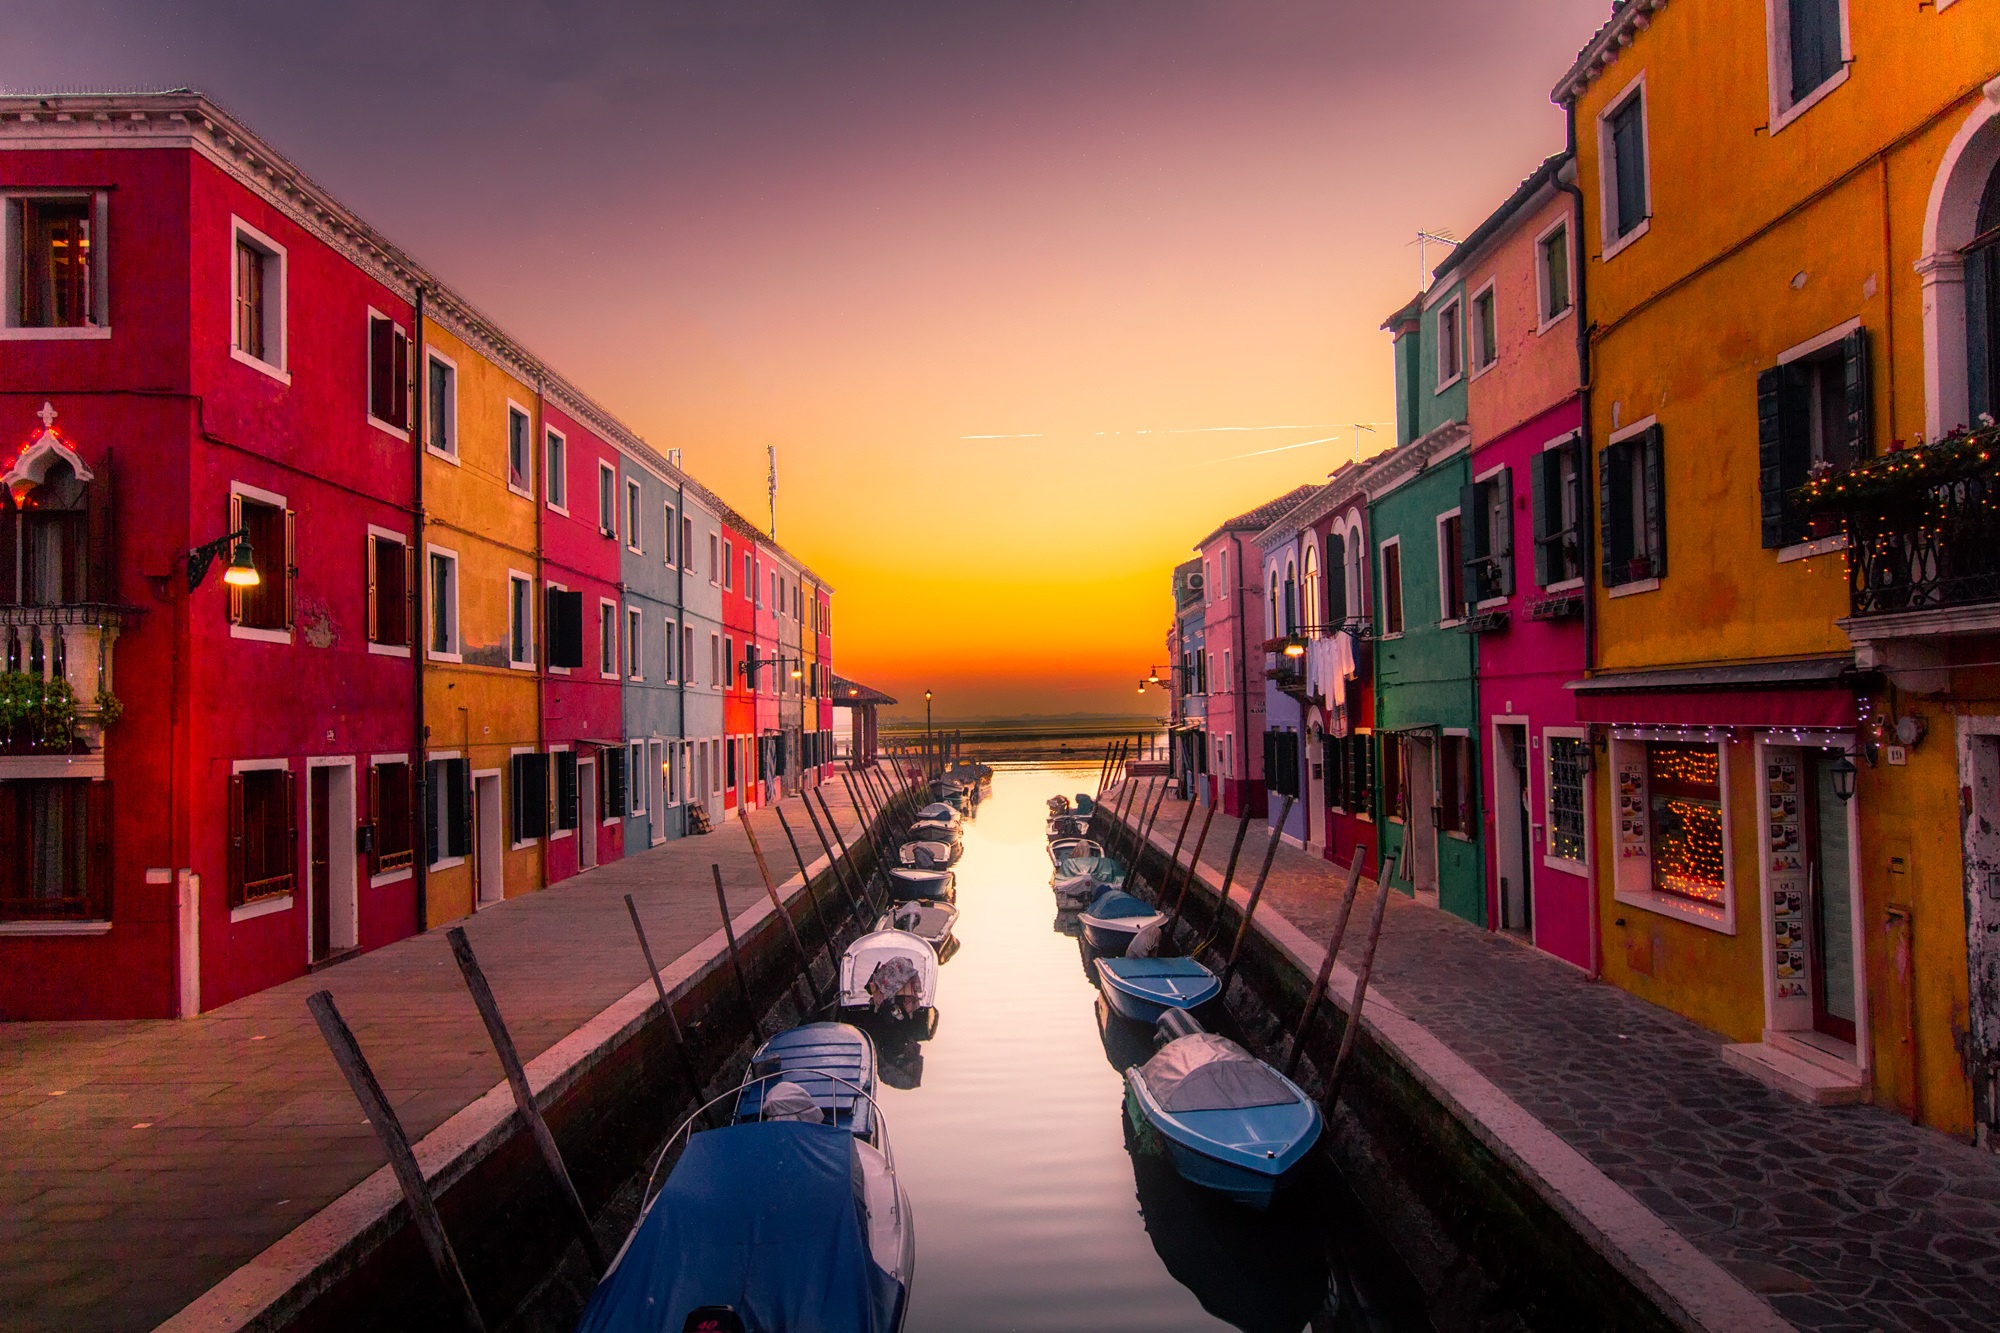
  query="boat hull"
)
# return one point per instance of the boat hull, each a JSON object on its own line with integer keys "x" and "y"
{"x": 1245, "y": 1174}
{"x": 1132, "y": 999}
{"x": 1110, "y": 937}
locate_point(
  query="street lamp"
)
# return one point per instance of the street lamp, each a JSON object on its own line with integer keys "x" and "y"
{"x": 240, "y": 572}
{"x": 1843, "y": 774}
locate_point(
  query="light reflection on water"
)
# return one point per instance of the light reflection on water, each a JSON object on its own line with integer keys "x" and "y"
{"x": 1009, "y": 1131}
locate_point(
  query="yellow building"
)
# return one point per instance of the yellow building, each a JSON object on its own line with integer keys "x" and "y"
{"x": 1776, "y": 198}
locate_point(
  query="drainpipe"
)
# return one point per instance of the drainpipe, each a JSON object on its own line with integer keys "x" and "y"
{"x": 1242, "y": 709}
{"x": 538, "y": 482}
{"x": 682, "y": 756}
{"x": 1586, "y": 456}
{"x": 419, "y": 730}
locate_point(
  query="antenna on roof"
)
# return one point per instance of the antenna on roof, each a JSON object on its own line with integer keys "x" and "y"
{"x": 1429, "y": 238}
{"x": 772, "y": 451}
{"x": 1360, "y": 426}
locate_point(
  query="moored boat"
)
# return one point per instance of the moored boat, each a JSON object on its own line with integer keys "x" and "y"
{"x": 890, "y": 974}
{"x": 909, "y": 884}
{"x": 1142, "y": 989}
{"x": 929, "y": 854}
{"x": 1079, "y": 880}
{"x": 1113, "y": 918}
{"x": 833, "y": 1063}
{"x": 939, "y": 810}
{"x": 1064, "y": 849}
{"x": 930, "y": 922}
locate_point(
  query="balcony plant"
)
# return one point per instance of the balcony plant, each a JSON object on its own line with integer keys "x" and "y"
{"x": 1903, "y": 479}
{"x": 37, "y": 716}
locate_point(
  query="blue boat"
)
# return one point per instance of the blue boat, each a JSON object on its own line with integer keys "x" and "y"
{"x": 1229, "y": 1122}
{"x": 1113, "y": 918}
{"x": 773, "y": 1227}
{"x": 1144, "y": 988}
{"x": 833, "y": 1062}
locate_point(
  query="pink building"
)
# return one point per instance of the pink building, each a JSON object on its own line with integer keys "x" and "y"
{"x": 1525, "y": 515}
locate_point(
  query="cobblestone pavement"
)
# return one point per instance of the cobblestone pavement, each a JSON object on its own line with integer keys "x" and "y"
{"x": 1842, "y": 1217}
{"x": 145, "y": 1161}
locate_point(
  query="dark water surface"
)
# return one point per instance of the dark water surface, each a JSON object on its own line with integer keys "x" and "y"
{"x": 1034, "y": 1208}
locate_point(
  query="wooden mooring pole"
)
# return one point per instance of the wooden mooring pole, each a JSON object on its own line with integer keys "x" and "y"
{"x": 1228, "y": 878}
{"x": 396, "y": 1144}
{"x": 1256, "y": 893}
{"x": 735, "y": 957}
{"x": 867, "y": 898}
{"x": 1187, "y": 878}
{"x": 812, "y": 894}
{"x": 524, "y": 1097}
{"x": 688, "y": 1072}
{"x": 855, "y": 910}
{"x": 1320, "y": 982}
{"x": 1367, "y": 969}
{"x": 778, "y": 906}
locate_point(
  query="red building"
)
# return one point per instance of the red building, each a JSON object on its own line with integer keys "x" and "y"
{"x": 189, "y": 837}
{"x": 739, "y": 650}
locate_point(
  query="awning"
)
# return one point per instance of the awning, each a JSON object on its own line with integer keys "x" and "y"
{"x": 1800, "y": 692}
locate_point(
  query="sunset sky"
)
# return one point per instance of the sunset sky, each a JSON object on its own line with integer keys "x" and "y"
{"x": 1030, "y": 296}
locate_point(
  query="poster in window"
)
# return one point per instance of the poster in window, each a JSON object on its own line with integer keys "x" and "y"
{"x": 1786, "y": 875}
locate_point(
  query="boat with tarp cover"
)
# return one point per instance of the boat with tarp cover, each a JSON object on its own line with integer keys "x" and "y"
{"x": 1113, "y": 918}
{"x": 1142, "y": 989}
{"x": 834, "y": 1063}
{"x": 890, "y": 974}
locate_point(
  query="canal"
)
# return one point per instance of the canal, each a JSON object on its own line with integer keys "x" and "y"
{"x": 1035, "y": 1209}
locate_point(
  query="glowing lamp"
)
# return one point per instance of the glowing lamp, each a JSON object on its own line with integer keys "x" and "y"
{"x": 1295, "y": 650}
{"x": 242, "y": 570}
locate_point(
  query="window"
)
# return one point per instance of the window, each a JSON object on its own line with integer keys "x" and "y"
{"x": 566, "y": 803}
{"x": 673, "y": 641}
{"x": 444, "y": 604}
{"x": 1682, "y": 809}
{"x": 531, "y": 797}
{"x": 607, "y": 639}
{"x": 58, "y": 280}
{"x": 1812, "y": 408}
{"x": 562, "y": 627}
{"x": 1809, "y": 48}
{"x": 447, "y": 811}
{"x": 1450, "y": 344}
{"x": 555, "y": 474}
{"x": 1228, "y": 672}
{"x": 1458, "y": 787}
{"x": 728, "y": 662}
{"x": 1627, "y": 194}
{"x": 1451, "y": 567}
{"x": 388, "y": 590}
{"x": 641, "y": 788}
{"x": 1311, "y": 599}
{"x": 749, "y": 573}
{"x": 520, "y": 620}
{"x": 715, "y": 676}
{"x": 1487, "y": 509}
{"x": 263, "y": 834}
{"x": 268, "y": 527}
{"x": 611, "y": 777}
{"x": 1350, "y": 774}
{"x": 635, "y": 663}
{"x": 1552, "y": 272}
{"x": 1567, "y": 817}
{"x": 1632, "y": 506}
{"x": 520, "y": 451}
{"x": 441, "y": 406}
{"x": 1274, "y": 631}
{"x": 687, "y": 542}
{"x": 1485, "y": 330}
{"x": 1556, "y": 480}
{"x": 1395, "y": 796}
{"x": 607, "y": 500}
{"x": 687, "y": 655}
{"x": 672, "y": 532}
{"x": 388, "y": 373}
{"x": 713, "y": 564}
{"x": 61, "y": 533}
{"x": 1982, "y": 305}
{"x": 394, "y": 846}
{"x": 633, "y": 523}
{"x": 55, "y": 851}
{"x": 1281, "y": 762}
{"x": 728, "y": 565}
{"x": 257, "y": 297}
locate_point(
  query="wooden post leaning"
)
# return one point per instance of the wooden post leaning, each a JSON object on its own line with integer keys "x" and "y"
{"x": 1320, "y": 983}
{"x": 688, "y": 1072}
{"x": 1367, "y": 969}
{"x": 1256, "y": 892}
{"x": 736, "y": 957}
{"x": 778, "y": 906}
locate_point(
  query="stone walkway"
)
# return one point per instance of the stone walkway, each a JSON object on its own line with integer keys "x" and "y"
{"x": 1843, "y": 1218}
{"x": 146, "y": 1161}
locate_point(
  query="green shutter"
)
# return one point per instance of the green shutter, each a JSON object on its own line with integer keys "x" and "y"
{"x": 1770, "y": 468}
{"x": 1652, "y": 468}
{"x": 1501, "y": 538}
{"x": 1855, "y": 373}
{"x": 1541, "y": 482}
{"x": 1614, "y": 519}
{"x": 1473, "y": 545}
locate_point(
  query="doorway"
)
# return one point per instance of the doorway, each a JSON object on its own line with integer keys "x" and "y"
{"x": 586, "y": 814}
{"x": 1317, "y": 814}
{"x": 488, "y": 845}
{"x": 1830, "y": 898}
{"x": 332, "y": 927}
{"x": 1420, "y": 842}
{"x": 656, "y": 818}
{"x": 1511, "y": 834}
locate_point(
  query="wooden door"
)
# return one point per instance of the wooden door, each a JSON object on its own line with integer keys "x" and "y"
{"x": 320, "y": 857}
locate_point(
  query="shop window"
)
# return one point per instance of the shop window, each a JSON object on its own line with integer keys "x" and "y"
{"x": 1567, "y": 816}
{"x": 1487, "y": 523}
{"x": 55, "y": 851}
{"x": 1556, "y": 486}
{"x": 1632, "y": 508}
{"x": 388, "y": 591}
{"x": 531, "y": 797}
{"x": 263, "y": 834}
{"x": 1683, "y": 809}
{"x": 389, "y": 803}
{"x": 1458, "y": 787}
{"x": 1812, "y": 409}
{"x": 388, "y": 372}
{"x": 270, "y": 529}
{"x": 447, "y": 810}
{"x": 58, "y": 282}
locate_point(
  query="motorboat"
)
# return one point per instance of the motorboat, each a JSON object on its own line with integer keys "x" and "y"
{"x": 1065, "y": 849}
{"x": 779, "y": 1223}
{"x": 929, "y": 854}
{"x": 1069, "y": 827}
{"x": 890, "y": 974}
{"x": 930, "y": 922}
{"x": 1142, "y": 989}
{"x": 938, "y": 810}
{"x": 833, "y": 1063}
{"x": 908, "y": 884}
{"x": 1228, "y": 1121}
{"x": 1113, "y": 918}
{"x": 936, "y": 830}
{"x": 1079, "y": 879}
{"x": 1084, "y": 805}
{"x": 1058, "y": 805}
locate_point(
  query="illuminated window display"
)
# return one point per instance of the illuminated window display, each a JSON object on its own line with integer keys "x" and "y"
{"x": 1684, "y": 808}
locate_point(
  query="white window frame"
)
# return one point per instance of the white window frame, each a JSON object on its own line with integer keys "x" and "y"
{"x": 1607, "y": 174}
{"x": 439, "y": 801}
{"x": 451, "y": 407}
{"x": 276, "y": 304}
{"x": 635, "y": 504}
{"x": 368, "y": 371}
{"x": 728, "y": 565}
{"x": 714, "y": 661}
{"x": 553, "y": 749}
{"x": 715, "y": 566}
{"x": 244, "y": 490}
{"x": 673, "y": 534}
{"x": 1548, "y": 801}
{"x": 553, "y": 442}
{"x": 1778, "y": 49}
{"x": 1448, "y": 617}
{"x": 511, "y": 796}
{"x": 1401, "y": 601}
{"x": 1489, "y": 292}
{"x": 607, "y": 644}
{"x": 673, "y": 645}
{"x": 526, "y": 491}
{"x": 607, "y": 523}
{"x": 1544, "y": 319}
{"x": 517, "y": 579}
{"x": 1627, "y": 873}
{"x": 1455, "y": 301}
{"x": 100, "y": 266}
{"x": 635, "y": 643}
{"x": 390, "y": 534}
{"x": 283, "y": 902}
{"x": 457, "y": 650}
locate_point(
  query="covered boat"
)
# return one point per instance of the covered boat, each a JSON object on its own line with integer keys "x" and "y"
{"x": 936, "y": 830}
{"x": 1064, "y": 849}
{"x": 889, "y": 973}
{"x": 1142, "y": 989}
{"x": 1078, "y": 879}
{"x": 929, "y": 922}
{"x": 1229, "y": 1122}
{"x": 939, "y": 810}
{"x": 927, "y": 854}
{"x": 1058, "y": 804}
{"x": 1113, "y": 918}
{"x": 834, "y": 1064}
{"x": 914, "y": 883}
{"x": 778, "y": 1226}
{"x": 1084, "y": 805}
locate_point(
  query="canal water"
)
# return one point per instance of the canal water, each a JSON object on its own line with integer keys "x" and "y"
{"x": 1035, "y": 1209}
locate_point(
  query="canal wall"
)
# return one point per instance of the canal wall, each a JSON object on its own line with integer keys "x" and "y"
{"x": 1502, "y": 1224}
{"x": 611, "y": 1092}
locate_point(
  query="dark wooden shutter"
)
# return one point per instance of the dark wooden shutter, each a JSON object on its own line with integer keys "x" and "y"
{"x": 399, "y": 384}
{"x": 565, "y": 628}
{"x": 458, "y": 810}
{"x": 374, "y": 590}
{"x": 1615, "y": 513}
{"x": 97, "y": 869}
{"x": 374, "y": 822}
{"x": 99, "y": 572}
{"x": 10, "y": 521}
{"x": 1652, "y": 467}
{"x": 1857, "y": 377}
{"x": 235, "y": 839}
{"x": 1543, "y": 479}
{"x": 1336, "y": 577}
{"x": 434, "y": 773}
{"x": 291, "y": 565}
{"x": 1501, "y": 537}
{"x": 291, "y": 787}
{"x": 381, "y": 364}
{"x": 1473, "y": 540}
{"x": 514, "y": 802}
{"x": 235, "y": 593}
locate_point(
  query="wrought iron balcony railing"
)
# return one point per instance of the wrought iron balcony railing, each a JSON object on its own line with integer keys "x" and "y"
{"x": 1942, "y": 553}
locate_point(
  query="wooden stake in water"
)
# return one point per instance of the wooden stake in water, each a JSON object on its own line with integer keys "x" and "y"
{"x": 867, "y": 898}
{"x": 1256, "y": 893}
{"x": 1366, "y": 970}
{"x": 736, "y": 958}
{"x": 666, "y": 1005}
{"x": 1174, "y": 857}
{"x": 812, "y": 894}
{"x": 1187, "y": 879}
{"x": 524, "y": 1098}
{"x": 778, "y": 906}
{"x": 1320, "y": 982}
{"x": 854, "y": 908}
{"x": 396, "y": 1144}
{"x": 1228, "y": 878}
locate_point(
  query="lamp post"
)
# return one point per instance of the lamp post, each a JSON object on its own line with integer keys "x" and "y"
{"x": 240, "y": 572}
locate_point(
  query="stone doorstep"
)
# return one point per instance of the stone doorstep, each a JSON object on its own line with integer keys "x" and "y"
{"x": 1814, "y": 1081}
{"x": 314, "y": 1253}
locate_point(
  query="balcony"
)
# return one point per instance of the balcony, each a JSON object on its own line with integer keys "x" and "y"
{"x": 56, "y": 697}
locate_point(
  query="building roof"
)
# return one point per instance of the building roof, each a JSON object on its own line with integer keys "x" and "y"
{"x": 1500, "y": 220}
{"x": 1406, "y": 313}
{"x": 853, "y": 694}
{"x": 1627, "y": 17}
{"x": 1256, "y": 520}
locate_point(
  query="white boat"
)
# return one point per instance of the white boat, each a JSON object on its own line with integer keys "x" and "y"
{"x": 927, "y": 854}
{"x": 912, "y": 884}
{"x": 889, "y": 973}
{"x": 939, "y": 810}
{"x": 1065, "y": 849}
{"x": 930, "y": 922}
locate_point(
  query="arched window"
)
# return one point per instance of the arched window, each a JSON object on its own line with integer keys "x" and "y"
{"x": 1275, "y": 623}
{"x": 1357, "y": 572}
{"x": 1312, "y": 605}
{"x": 1982, "y": 305}
{"x": 1291, "y": 599}
{"x": 1336, "y": 577}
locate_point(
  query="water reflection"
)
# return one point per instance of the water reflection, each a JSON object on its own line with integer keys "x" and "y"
{"x": 1009, "y": 1131}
